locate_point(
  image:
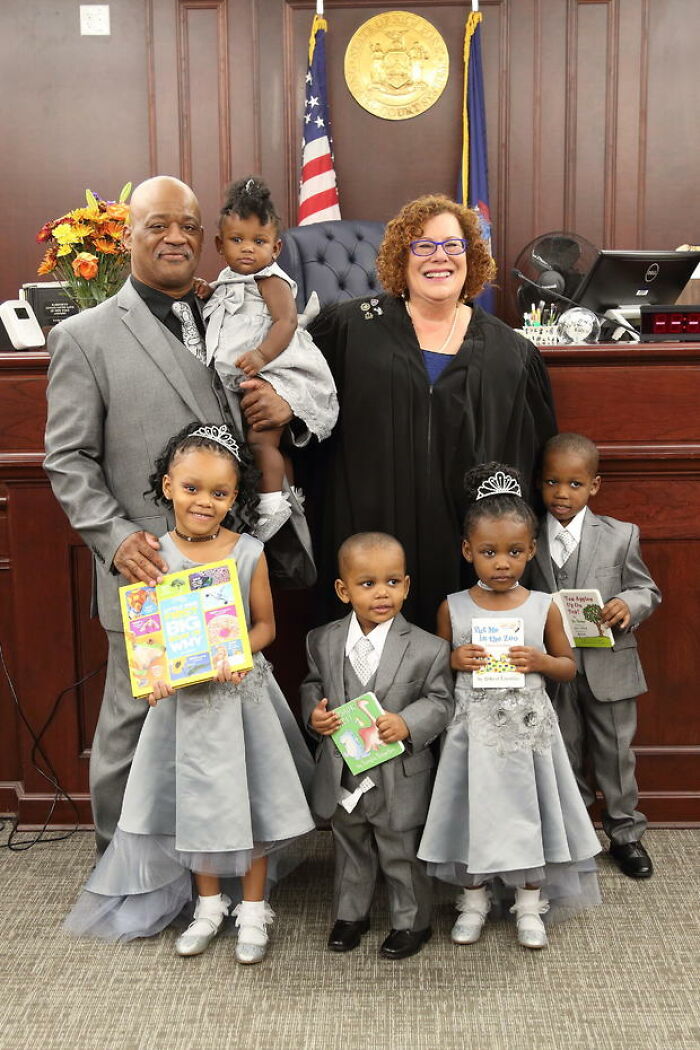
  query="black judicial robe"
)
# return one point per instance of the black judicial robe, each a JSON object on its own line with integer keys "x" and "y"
{"x": 397, "y": 458}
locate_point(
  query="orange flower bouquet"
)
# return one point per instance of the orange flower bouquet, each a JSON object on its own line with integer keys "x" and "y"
{"x": 86, "y": 249}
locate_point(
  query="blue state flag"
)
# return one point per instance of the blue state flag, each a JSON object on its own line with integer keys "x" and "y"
{"x": 473, "y": 187}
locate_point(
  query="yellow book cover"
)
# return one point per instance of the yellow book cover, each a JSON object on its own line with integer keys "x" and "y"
{"x": 177, "y": 631}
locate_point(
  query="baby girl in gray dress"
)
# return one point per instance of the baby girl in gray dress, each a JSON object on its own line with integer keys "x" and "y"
{"x": 253, "y": 331}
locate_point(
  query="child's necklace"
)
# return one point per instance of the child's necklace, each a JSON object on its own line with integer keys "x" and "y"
{"x": 196, "y": 539}
{"x": 485, "y": 586}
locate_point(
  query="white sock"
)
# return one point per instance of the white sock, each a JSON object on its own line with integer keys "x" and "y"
{"x": 527, "y": 900}
{"x": 270, "y": 501}
{"x": 476, "y": 900}
{"x": 210, "y": 907}
{"x": 255, "y": 916}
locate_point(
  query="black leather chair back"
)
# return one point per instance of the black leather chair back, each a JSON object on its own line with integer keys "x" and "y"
{"x": 335, "y": 259}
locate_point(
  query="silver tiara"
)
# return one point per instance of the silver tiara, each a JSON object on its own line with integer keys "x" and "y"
{"x": 222, "y": 436}
{"x": 250, "y": 185}
{"x": 498, "y": 483}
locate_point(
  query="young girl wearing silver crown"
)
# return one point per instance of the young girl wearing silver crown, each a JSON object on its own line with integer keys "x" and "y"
{"x": 215, "y": 787}
{"x": 506, "y": 815}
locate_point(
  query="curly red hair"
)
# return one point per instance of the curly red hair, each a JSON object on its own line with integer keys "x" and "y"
{"x": 407, "y": 226}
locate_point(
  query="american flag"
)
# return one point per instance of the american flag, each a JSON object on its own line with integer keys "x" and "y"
{"x": 318, "y": 194}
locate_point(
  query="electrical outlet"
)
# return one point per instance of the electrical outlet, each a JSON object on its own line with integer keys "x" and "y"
{"x": 94, "y": 20}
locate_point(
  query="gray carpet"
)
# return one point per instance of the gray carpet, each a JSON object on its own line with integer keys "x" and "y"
{"x": 623, "y": 977}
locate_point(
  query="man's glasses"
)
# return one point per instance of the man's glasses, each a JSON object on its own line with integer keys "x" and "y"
{"x": 452, "y": 246}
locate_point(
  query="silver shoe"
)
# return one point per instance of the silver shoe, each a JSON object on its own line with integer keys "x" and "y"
{"x": 251, "y": 946}
{"x": 247, "y": 950}
{"x": 531, "y": 931}
{"x": 202, "y": 931}
{"x": 470, "y": 923}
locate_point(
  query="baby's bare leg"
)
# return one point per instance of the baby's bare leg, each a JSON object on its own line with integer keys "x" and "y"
{"x": 265, "y": 446}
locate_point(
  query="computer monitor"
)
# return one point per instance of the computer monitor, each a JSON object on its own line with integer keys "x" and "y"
{"x": 624, "y": 281}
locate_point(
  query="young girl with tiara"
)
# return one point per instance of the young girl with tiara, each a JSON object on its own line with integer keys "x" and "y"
{"x": 253, "y": 330}
{"x": 215, "y": 785}
{"x": 506, "y": 813}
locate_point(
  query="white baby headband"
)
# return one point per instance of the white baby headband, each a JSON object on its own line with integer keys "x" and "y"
{"x": 498, "y": 484}
{"x": 221, "y": 436}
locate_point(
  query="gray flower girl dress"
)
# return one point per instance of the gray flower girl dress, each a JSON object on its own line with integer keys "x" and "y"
{"x": 505, "y": 808}
{"x": 217, "y": 780}
{"x": 238, "y": 320}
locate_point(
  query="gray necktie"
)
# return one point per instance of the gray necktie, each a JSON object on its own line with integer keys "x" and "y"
{"x": 567, "y": 543}
{"x": 359, "y": 659}
{"x": 191, "y": 336}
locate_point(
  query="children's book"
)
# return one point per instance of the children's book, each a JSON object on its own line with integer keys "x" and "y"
{"x": 358, "y": 737}
{"x": 497, "y": 635}
{"x": 580, "y": 610}
{"x": 178, "y": 631}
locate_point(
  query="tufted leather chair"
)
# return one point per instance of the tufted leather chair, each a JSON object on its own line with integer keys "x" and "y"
{"x": 335, "y": 259}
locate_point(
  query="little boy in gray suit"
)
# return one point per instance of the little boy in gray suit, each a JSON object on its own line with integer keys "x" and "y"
{"x": 375, "y": 649}
{"x": 579, "y": 549}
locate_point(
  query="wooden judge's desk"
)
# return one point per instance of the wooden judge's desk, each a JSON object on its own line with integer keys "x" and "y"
{"x": 638, "y": 403}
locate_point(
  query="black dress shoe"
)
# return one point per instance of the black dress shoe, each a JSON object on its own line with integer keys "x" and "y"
{"x": 346, "y": 935}
{"x": 402, "y": 943}
{"x": 632, "y": 859}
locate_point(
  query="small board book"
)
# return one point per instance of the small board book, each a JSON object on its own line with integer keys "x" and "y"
{"x": 176, "y": 631}
{"x": 358, "y": 737}
{"x": 497, "y": 635}
{"x": 580, "y": 610}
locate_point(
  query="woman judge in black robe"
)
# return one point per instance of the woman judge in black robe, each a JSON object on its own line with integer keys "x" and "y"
{"x": 429, "y": 385}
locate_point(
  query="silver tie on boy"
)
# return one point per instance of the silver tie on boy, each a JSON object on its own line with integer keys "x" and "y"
{"x": 359, "y": 659}
{"x": 498, "y": 484}
{"x": 222, "y": 436}
{"x": 568, "y": 543}
{"x": 191, "y": 335}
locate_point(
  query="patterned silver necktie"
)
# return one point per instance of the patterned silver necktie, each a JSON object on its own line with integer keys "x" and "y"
{"x": 191, "y": 336}
{"x": 359, "y": 659}
{"x": 567, "y": 542}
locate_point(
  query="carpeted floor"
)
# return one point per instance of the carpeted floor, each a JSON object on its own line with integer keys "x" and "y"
{"x": 624, "y": 977}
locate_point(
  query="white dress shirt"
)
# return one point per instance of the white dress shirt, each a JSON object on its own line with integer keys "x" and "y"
{"x": 554, "y": 527}
{"x": 377, "y": 636}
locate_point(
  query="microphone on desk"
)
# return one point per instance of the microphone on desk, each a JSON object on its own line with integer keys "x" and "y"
{"x": 546, "y": 284}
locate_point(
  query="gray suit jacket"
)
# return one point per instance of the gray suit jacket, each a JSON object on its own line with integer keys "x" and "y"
{"x": 413, "y": 679}
{"x": 609, "y": 559}
{"x": 118, "y": 391}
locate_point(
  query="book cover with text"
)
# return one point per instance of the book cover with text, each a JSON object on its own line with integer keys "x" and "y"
{"x": 178, "y": 631}
{"x": 358, "y": 737}
{"x": 497, "y": 635}
{"x": 580, "y": 610}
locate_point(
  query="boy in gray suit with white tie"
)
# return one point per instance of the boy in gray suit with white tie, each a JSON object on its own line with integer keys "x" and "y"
{"x": 375, "y": 649}
{"x": 579, "y": 549}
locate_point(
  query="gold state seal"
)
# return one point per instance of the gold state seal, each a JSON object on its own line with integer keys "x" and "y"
{"x": 396, "y": 65}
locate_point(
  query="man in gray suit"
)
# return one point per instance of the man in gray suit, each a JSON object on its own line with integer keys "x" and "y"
{"x": 124, "y": 377}
{"x": 408, "y": 670}
{"x": 579, "y": 549}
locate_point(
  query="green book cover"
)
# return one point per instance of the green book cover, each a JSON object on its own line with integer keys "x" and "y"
{"x": 580, "y": 610}
{"x": 358, "y": 737}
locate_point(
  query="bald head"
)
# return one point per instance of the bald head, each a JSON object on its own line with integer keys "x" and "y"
{"x": 362, "y": 543}
{"x": 165, "y": 234}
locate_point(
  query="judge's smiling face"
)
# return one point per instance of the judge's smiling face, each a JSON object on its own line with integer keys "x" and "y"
{"x": 439, "y": 277}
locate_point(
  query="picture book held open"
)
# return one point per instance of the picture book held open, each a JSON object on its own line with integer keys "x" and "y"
{"x": 178, "y": 631}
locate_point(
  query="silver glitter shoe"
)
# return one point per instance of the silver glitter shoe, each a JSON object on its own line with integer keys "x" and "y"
{"x": 269, "y": 524}
{"x": 202, "y": 931}
{"x": 251, "y": 946}
{"x": 531, "y": 931}
{"x": 474, "y": 907}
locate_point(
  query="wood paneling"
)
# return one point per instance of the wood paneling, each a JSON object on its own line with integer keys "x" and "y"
{"x": 590, "y": 114}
